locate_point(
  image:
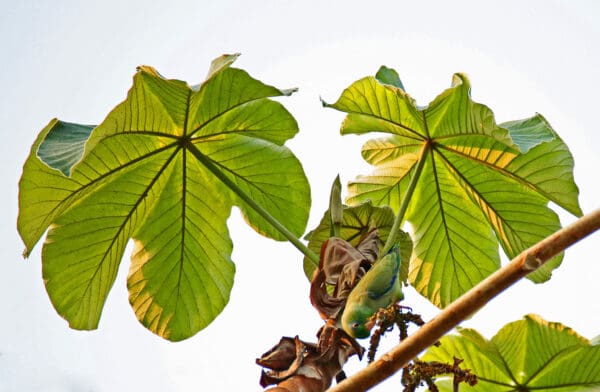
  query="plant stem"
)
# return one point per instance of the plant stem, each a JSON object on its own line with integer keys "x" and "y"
{"x": 406, "y": 199}
{"x": 473, "y": 300}
{"x": 253, "y": 204}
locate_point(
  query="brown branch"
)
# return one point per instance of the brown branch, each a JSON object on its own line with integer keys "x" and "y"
{"x": 469, "y": 303}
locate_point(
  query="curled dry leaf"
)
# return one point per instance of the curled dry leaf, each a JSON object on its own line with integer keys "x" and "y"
{"x": 281, "y": 356}
{"x": 341, "y": 266}
{"x": 284, "y": 359}
{"x": 294, "y": 365}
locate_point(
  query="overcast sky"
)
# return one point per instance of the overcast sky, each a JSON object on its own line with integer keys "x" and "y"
{"x": 74, "y": 60}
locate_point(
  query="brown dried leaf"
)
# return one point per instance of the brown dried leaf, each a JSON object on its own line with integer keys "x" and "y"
{"x": 336, "y": 253}
{"x": 281, "y": 356}
{"x": 327, "y": 305}
{"x": 282, "y": 362}
{"x": 313, "y": 367}
{"x": 349, "y": 277}
{"x": 341, "y": 266}
{"x": 332, "y": 339}
{"x": 369, "y": 246}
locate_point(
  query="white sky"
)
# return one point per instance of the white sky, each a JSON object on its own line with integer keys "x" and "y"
{"x": 74, "y": 60}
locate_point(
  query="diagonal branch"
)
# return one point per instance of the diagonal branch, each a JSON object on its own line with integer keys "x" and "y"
{"x": 528, "y": 261}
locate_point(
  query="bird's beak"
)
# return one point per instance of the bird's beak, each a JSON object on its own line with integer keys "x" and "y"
{"x": 369, "y": 324}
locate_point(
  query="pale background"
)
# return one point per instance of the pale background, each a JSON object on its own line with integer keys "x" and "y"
{"x": 74, "y": 60}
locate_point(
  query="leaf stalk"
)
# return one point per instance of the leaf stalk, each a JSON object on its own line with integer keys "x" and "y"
{"x": 252, "y": 203}
{"x": 399, "y": 219}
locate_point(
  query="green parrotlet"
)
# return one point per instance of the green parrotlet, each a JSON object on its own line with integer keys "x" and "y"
{"x": 379, "y": 288}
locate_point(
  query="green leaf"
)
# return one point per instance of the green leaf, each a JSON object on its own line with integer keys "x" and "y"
{"x": 526, "y": 355}
{"x": 164, "y": 168}
{"x": 481, "y": 184}
{"x": 357, "y": 222}
{"x": 554, "y": 180}
{"x": 44, "y": 190}
{"x": 389, "y": 76}
{"x": 63, "y": 145}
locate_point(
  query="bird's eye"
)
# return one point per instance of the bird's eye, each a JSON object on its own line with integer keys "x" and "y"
{"x": 355, "y": 325}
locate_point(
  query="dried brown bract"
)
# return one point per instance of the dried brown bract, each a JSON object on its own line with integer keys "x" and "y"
{"x": 294, "y": 365}
{"x": 341, "y": 266}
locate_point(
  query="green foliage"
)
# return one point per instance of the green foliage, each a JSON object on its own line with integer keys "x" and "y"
{"x": 167, "y": 165}
{"x": 164, "y": 168}
{"x": 63, "y": 145}
{"x": 478, "y": 184}
{"x": 526, "y": 355}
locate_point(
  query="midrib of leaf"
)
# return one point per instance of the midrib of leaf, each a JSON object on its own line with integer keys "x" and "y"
{"x": 506, "y": 367}
{"x": 438, "y": 191}
{"x": 126, "y": 220}
{"x": 441, "y": 207}
{"x": 561, "y": 386}
{"x": 142, "y": 132}
{"x": 395, "y": 184}
{"x": 183, "y": 223}
{"x": 493, "y": 165}
{"x": 490, "y": 212}
{"x": 390, "y": 148}
{"x": 549, "y": 362}
{"x": 215, "y": 117}
{"x": 500, "y": 169}
{"x": 418, "y": 136}
{"x": 84, "y": 187}
{"x": 495, "y": 382}
{"x": 183, "y": 197}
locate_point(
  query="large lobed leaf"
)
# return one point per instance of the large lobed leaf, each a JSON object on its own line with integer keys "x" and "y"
{"x": 526, "y": 355}
{"x": 164, "y": 168}
{"x": 479, "y": 184}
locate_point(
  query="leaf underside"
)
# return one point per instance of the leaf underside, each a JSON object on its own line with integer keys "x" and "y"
{"x": 481, "y": 184}
{"x": 152, "y": 171}
{"x": 527, "y": 355}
